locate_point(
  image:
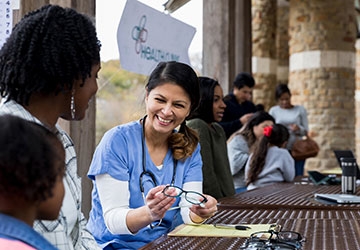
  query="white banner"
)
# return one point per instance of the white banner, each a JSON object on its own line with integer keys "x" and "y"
{"x": 146, "y": 37}
{"x": 6, "y": 17}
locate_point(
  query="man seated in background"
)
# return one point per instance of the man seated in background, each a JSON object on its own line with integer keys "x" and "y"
{"x": 239, "y": 107}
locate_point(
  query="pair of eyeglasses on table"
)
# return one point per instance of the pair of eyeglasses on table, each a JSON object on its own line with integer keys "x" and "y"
{"x": 192, "y": 197}
{"x": 274, "y": 239}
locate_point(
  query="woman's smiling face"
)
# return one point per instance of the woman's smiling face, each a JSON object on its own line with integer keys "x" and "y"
{"x": 167, "y": 106}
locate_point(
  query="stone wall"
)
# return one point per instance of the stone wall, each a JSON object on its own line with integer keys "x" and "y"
{"x": 357, "y": 100}
{"x": 264, "y": 51}
{"x": 282, "y": 42}
{"x": 322, "y": 73}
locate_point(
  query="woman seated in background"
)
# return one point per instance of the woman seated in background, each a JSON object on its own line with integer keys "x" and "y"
{"x": 216, "y": 170}
{"x": 240, "y": 144}
{"x": 270, "y": 161}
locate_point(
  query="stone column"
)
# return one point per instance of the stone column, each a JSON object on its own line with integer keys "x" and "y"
{"x": 357, "y": 100}
{"x": 282, "y": 42}
{"x": 322, "y": 73}
{"x": 264, "y": 51}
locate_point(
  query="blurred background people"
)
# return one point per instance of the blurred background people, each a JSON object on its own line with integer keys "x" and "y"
{"x": 270, "y": 161}
{"x": 216, "y": 170}
{"x": 294, "y": 117}
{"x": 239, "y": 107}
{"x": 241, "y": 143}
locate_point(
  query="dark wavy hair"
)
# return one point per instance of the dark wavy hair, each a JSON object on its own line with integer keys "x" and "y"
{"x": 243, "y": 79}
{"x": 183, "y": 143}
{"x": 278, "y": 136}
{"x": 281, "y": 89}
{"x": 247, "y": 131}
{"x": 205, "y": 109}
{"x": 28, "y": 152}
{"x": 47, "y": 51}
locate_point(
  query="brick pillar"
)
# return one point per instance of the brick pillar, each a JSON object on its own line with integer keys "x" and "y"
{"x": 264, "y": 51}
{"x": 357, "y": 100}
{"x": 282, "y": 42}
{"x": 322, "y": 73}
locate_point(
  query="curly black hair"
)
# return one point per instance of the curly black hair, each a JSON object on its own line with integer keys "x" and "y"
{"x": 28, "y": 153}
{"x": 47, "y": 51}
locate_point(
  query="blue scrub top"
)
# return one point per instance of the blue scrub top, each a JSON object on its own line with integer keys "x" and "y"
{"x": 120, "y": 154}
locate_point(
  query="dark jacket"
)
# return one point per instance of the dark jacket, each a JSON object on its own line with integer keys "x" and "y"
{"x": 231, "y": 119}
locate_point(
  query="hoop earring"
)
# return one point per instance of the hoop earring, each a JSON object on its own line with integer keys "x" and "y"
{"x": 72, "y": 105}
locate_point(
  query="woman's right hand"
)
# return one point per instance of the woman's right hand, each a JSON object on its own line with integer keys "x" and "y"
{"x": 157, "y": 203}
{"x": 294, "y": 127}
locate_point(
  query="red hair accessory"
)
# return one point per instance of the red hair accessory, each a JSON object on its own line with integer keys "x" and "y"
{"x": 267, "y": 131}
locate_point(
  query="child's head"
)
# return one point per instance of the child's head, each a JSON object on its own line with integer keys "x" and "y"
{"x": 253, "y": 129}
{"x": 277, "y": 135}
{"x": 31, "y": 168}
{"x": 211, "y": 106}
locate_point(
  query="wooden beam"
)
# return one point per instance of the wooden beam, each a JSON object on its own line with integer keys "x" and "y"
{"x": 29, "y": 5}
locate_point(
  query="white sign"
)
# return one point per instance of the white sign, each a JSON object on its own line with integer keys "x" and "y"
{"x": 146, "y": 37}
{"x": 5, "y": 20}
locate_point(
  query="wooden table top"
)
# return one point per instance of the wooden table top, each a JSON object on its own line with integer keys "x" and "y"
{"x": 292, "y": 205}
{"x": 299, "y": 195}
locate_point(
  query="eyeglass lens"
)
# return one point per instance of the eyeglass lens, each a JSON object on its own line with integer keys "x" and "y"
{"x": 191, "y": 196}
{"x": 284, "y": 235}
{"x": 274, "y": 240}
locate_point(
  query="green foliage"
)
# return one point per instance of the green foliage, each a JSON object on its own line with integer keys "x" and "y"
{"x": 122, "y": 79}
{"x": 119, "y": 98}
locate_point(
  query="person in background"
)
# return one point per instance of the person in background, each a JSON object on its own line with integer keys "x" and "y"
{"x": 241, "y": 143}
{"x": 31, "y": 172}
{"x": 294, "y": 117}
{"x": 48, "y": 70}
{"x": 239, "y": 107}
{"x": 216, "y": 170}
{"x": 270, "y": 162}
{"x": 260, "y": 107}
{"x": 150, "y": 163}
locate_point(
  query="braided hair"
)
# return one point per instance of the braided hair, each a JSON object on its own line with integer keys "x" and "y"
{"x": 47, "y": 51}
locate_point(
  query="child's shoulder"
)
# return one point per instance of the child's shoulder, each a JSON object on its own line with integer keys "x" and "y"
{"x": 14, "y": 244}
{"x": 278, "y": 150}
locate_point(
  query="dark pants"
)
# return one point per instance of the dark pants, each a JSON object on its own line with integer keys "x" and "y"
{"x": 299, "y": 167}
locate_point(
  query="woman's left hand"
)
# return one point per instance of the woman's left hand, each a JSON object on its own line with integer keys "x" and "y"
{"x": 206, "y": 211}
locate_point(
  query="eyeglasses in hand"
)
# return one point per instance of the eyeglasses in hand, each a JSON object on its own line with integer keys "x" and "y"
{"x": 192, "y": 197}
